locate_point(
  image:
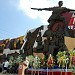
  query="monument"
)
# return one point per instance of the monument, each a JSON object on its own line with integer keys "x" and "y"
{"x": 55, "y": 36}
{"x": 52, "y": 41}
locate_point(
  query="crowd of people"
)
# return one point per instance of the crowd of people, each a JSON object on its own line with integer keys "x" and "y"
{"x": 4, "y": 65}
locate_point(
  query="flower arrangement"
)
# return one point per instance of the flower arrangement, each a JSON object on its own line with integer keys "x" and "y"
{"x": 31, "y": 59}
{"x": 37, "y": 62}
{"x": 50, "y": 61}
{"x": 72, "y": 54}
{"x": 62, "y": 59}
{"x": 13, "y": 60}
{"x": 19, "y": 59}
{"x": 34, "y": 62}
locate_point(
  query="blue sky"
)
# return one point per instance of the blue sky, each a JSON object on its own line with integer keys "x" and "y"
{"x": 16, "y": 17}
{"x": 13, "y": 23}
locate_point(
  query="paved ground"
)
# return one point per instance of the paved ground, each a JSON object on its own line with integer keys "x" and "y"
{"x": 8, "y": 74}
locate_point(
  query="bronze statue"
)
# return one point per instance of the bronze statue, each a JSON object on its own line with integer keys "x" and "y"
{"x": 39, "y": 39}
{"x": 39, "y": 42}
{"x": 56, "y": 14}
{"x": 49, "y": 34}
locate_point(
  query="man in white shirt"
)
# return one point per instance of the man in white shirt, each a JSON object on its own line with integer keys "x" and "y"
{"x": 6, "y": 64}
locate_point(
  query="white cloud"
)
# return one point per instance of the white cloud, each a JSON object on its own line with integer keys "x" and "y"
{"x": 25, "y": 6}
{"x": 69, "y": 4}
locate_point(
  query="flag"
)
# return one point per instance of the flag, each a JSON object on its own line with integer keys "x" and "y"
{"x": 72, "y": 23}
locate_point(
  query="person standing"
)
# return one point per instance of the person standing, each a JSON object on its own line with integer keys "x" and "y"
{"x": 6, "y": 64}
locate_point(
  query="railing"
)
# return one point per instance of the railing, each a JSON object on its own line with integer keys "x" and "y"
{"x": 49, "y": 71}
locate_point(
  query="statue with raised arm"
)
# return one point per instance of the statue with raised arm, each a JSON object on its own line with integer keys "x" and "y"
{"x": 56, "y": 13}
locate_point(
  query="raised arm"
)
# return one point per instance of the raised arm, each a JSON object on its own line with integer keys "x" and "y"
{"x": 40, "y": 9}
{"x": 71, "y": 10}
{"x": 68, "y": 10}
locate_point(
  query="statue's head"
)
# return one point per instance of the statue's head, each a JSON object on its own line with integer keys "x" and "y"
{"x": 60, "y": 3}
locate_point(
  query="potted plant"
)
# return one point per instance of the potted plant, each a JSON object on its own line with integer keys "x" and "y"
{"x": 72, "y": 60}
{"x": 62, "y": 60}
